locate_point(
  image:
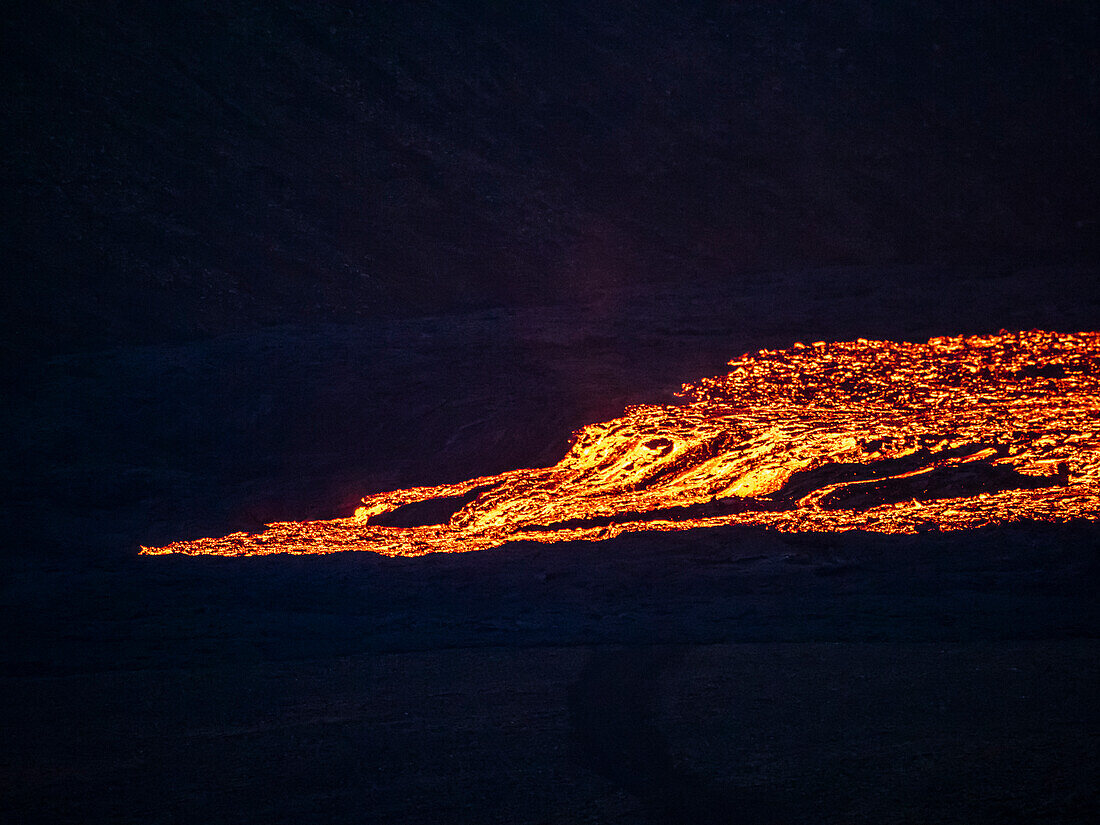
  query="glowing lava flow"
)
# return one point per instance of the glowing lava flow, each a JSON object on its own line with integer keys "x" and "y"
{"x": 872, "y": 435}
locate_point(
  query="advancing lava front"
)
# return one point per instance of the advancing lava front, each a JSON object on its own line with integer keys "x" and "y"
{"x": 957, "y": 433}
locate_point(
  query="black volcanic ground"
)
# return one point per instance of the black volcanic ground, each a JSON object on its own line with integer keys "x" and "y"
{"x": 265, "y": 258}
{"x": 187, "y": 169}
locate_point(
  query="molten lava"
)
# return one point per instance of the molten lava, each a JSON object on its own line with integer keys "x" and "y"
{"x": 892, "y": 437}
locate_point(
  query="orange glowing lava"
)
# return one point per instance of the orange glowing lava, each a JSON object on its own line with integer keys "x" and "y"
{"x": 892, "y": 437}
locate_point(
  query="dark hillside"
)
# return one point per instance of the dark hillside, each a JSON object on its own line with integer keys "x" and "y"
{"x": 184, "y": 169}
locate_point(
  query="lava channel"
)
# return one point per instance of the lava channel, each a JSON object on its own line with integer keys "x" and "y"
{"x": 892, "y": 437}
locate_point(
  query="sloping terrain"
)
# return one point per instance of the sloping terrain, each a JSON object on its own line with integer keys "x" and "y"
{"x": 187, "y": 169}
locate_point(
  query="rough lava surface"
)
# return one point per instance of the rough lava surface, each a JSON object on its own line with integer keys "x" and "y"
{"x": 958, "y": 433}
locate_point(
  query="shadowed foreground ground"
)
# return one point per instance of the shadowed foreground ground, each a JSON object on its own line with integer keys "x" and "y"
{"x": 730, "y": 675}
{"x": 801, "y": 732}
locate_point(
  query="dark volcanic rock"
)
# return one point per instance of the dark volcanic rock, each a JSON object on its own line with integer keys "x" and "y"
{"x": 191, "y": 168}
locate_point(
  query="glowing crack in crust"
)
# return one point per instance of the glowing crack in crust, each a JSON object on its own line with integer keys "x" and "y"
{"x": 958, "y": 433}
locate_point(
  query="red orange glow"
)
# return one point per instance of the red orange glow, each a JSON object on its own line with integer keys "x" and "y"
{"x": 953, "y": 434}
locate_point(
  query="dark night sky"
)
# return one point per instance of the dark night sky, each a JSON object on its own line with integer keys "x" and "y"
{"x": 180, "y": 171}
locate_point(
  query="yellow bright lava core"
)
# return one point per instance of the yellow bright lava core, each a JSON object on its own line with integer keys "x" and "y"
{"x": 957, "y": 433}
